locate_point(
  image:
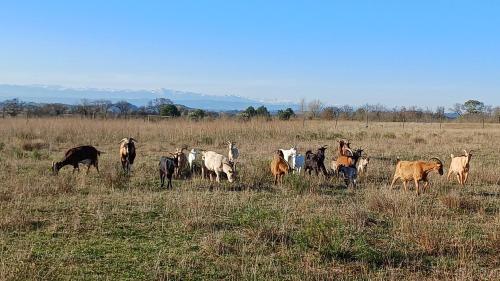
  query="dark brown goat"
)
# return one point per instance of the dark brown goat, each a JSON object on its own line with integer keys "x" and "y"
{"x": 86, "y": 154}
{"x": 316, "y": 161}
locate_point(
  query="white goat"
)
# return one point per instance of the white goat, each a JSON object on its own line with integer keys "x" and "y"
{"x": 217, "y": 163}
{"x": 362, "y": 165}
{"x": 193, "y": 156}
{"x": 460, "y": 165}
{"x": 288, "y": 154}
{"x": 295, "y": 160}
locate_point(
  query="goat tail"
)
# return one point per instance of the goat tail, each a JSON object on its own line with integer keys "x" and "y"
{"x": 100, "y": 152}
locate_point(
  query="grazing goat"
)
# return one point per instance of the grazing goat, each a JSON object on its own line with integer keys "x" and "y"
{"x": 349, "y": 174}
{"x": 167, "y": 167}
{"x": 362, "y": 165}
{"x": 127, "y": 153}
{"x": 416, "y": 171}
{"x": 279, "y": 167}
{"x": 217, "y": 163}
{"x": 316, "y": 161}
{"x": 460, "y": 165}
{"x": 87, "y": 155}
{"x": 182, "y": 161}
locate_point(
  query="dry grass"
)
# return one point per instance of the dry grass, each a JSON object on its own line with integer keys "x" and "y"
{"x": 111, "y": 226}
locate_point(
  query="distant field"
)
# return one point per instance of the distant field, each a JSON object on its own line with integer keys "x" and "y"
{"x": 110, "y": 226}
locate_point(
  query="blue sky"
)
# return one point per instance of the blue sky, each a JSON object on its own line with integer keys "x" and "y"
{"x": 424, "y": 53}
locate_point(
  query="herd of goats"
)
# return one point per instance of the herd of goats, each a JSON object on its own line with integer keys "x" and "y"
{"x": 347, "y": 164}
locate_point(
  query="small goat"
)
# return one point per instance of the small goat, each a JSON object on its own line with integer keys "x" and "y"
{"x": 460, "y": 165}
{"x": 362, "y": 165}
{"x": 167, "y": 167}
{"x": 298, "y": 163}
{"x": 349, "y": 174}
{"x": 127, "y": 153}
{"x": 416, "y": 171}
{"x": 279, "y": 167}
{"x": 316, "y": 161}
{"x": 182, "y": 161}
{"x": 233, "y": 151}
{"x": 87, "y": 155}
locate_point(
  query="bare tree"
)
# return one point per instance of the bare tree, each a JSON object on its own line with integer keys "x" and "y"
{"x": 315, "y": 108}
{"x": 124, "y": 107}
{"x": 458, "y": 109}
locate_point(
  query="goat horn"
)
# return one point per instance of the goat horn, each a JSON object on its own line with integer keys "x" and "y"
{"x": 132, "y": 139}
{"x": 465, "y": 151}
{"x": 437, "y": 159}
{"x": 124, "y": 139}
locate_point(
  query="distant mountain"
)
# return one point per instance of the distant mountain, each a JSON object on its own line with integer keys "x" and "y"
{"x": 59, "y": 94}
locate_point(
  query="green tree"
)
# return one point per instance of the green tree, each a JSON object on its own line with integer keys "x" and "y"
{"x": 286, "y": 114}
{"x": 250, "y": 111}
{"x": 197, "y": 114}
{"x": 262, "y": 111}
{"x": 170, "y": 110}
{"x": 473, "y": 107}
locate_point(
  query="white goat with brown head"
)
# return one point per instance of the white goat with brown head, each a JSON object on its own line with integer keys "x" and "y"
{"x": 460, "y": 166}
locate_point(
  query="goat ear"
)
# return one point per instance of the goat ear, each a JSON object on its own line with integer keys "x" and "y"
{"x": 465, "y": 151}
{"x": 134, "y": 140}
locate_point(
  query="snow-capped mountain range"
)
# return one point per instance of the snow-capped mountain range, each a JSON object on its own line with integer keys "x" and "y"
{"x": 68, "y": 95}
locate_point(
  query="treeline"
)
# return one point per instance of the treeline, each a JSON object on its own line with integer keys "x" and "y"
{"x": 101, "y": 109}
{"x": 469, "y": 111}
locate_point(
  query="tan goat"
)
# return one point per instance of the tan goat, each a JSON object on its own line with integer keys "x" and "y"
{"x": 279, "y": 167}
{"x": 460, "y": 165}
{"x": 416, "y": 171}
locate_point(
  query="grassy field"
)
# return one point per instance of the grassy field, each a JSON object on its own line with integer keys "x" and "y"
{"x": 110, "y": 226}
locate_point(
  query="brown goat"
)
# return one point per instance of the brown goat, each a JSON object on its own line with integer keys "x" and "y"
{"x": 279, "y": 167}
{"x": 416, "y": 171}
{"x": 460, "y": 166}
{"x": 344, "y": 147}
{"x": 349, "y": 159}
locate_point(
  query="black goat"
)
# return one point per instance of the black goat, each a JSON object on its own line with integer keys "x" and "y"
{"x": 127, "y": 153}
{"x": 349, "y": 174}
{"x": 316, "y": 161}
{"x": 87, "y": 155}
{"x": 167, "y": 169}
